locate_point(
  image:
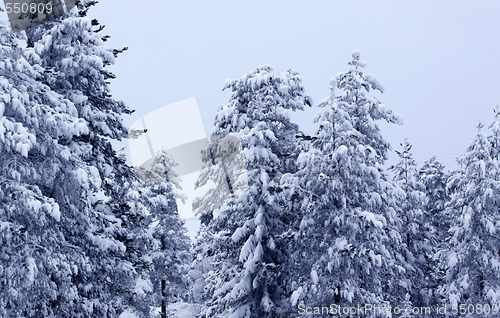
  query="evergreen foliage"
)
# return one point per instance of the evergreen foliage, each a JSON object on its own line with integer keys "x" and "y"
{"x": 345, "y": 243}
{"x": 82, "y": 237}
{"x": 472, "y": 259}
{"x": 417, "y": 231}
{"x": 291, "y": 219}
{"x": 249, "y": 259}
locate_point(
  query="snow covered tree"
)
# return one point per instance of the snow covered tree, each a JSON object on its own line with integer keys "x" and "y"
{"x": 24, "y": 291}
{"x": 44, "y": 186}
{"x": 472, "y": 262}
{"x": 434, "y": 179}
{"x": 495, "y": 137}
{"x": 417, "y": 228}
{"x": 201, "y": 266}
{"x": 74, "y": 58}
{"x": 156, "y": 241}
{"x": 225, "y": 168}
{"x": 104, "y": 211}
{"x": 345, "y": 245}
{"x": 249, "y": 260}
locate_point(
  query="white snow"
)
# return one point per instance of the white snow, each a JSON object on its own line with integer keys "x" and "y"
{"x": 237, "y": 235}
{"x": 454, "y": 298}
{"x": 340, "y": 152}
{"x": 259, "y": 219}
{"x": 339, "y": 244}
{"x": 302, "y": 160}
{"x": 244, "y": 285}
{"x": 377, "y": 220}
{"x": 452, "y": 260}
{"x": 258, "y": 254}
{"x": 259, "y": 232}
{"x": 54, "y": 210}
{"x": 495, "y": 264}
{"x": 82, "y": 178}
{"x": 314, "y": 276}
{"x": 488, "y": 193}
{"x": 143, "y": 286}
{"x": 466, "y": 219}
{"x": 490, "y": 227}
{"x": 95, "y": 178}
{"x": 32, "y": 269}
{"x": 129, "y": 313}
{"x": 464, "y": 284}
{"x": 34, "y": 204}
{"x": 295, "y": 296}
{"x": 306, "y": 222}
{"x": 79, "y": 127}
{"x": 184, "y": 310}
{"x": 493, "y": 296}
{"x": 247, "y": 249}
{"x": 105, "y": 243}
{"x": 78, "y": 99}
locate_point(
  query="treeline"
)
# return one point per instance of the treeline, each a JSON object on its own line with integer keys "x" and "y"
{"x": 335, "y": 228}
{"x": 322, "y": 222}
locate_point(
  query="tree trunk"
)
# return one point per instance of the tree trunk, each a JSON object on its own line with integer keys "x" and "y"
{"x": 163, "y": 287}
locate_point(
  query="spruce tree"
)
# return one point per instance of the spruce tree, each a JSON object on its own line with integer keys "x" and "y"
{"x": 249, "y": 259}
{"x": 434, "y": 179}
{"x": 45, "y": 185}
{"x": 157, "y": 240}
{"x": 346, "y": 239}
{"x": 72, "y": 52}
{"x": 113, "y": 274}
{"x": 417, "y": 228}
{"x": 472, "y": 261}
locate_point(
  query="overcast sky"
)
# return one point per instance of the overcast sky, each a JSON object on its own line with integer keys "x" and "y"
{"x": 438, "y": 60}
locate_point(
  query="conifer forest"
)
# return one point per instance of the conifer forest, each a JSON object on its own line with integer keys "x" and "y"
{"x": 323, "y": 227}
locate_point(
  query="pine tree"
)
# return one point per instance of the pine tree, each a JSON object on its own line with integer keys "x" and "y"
{"x": 109, "y": 276}
{"x": 249, "y": 260}
{"x": 346, "y": 238}
{"x": 157, "y": 239}
{"x": 434, "y": 179}
{"x": 417, "y": 231}
{"x": 38, "y": 264}
{"x": 202, "y": 256}
{"x": 472, "y": 262}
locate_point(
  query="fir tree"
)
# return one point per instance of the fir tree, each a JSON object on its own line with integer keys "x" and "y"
{"x": 73, "y": 55}
{"x": 434, "y": 179}
{"x": 249, "y": 260}
{"x": 472, "y": 262}
{"x": 346, "y": 238}
{"x": 112, "y": 274}
{"x": 417, "y": 230}
{"x": 44, "y": 185}
{"x": 157, "y": 239}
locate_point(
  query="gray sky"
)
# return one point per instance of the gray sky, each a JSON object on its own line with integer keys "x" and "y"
{"x": 438, "y": 61}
